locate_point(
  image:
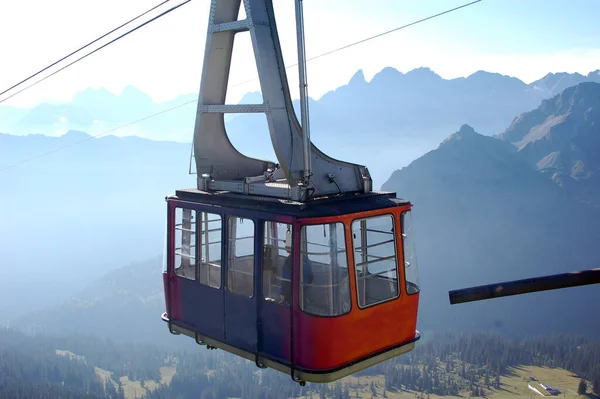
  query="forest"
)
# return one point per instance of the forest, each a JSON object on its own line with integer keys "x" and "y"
{"x": 45, "y": 366}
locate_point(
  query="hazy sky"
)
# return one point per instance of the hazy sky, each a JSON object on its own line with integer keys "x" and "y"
{"x": 521, "y": 38}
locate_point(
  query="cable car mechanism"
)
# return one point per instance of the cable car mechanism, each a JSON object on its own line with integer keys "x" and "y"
{"x": 297, "y": 265}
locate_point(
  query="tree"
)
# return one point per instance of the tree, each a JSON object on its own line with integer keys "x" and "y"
{"x": 373, "y": 390}
{"x": 582, "y": 388}
{"x": 596, "y": 386}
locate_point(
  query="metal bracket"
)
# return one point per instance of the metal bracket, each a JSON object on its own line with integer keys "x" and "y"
{"x": 299, "y": 167}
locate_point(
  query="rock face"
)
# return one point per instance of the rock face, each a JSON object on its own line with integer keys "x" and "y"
{"x": 562, "y": 139}
{"x": 484, "y": 214}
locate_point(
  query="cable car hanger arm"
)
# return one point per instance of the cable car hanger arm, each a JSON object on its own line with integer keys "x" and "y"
{"x": 301, "y": 168}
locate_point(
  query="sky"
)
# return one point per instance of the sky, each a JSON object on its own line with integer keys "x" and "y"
{"x": 521, "y": 38}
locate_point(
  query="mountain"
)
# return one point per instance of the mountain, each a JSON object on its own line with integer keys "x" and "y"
{"x": 123, "y": 305}
{"x": 396, "y": 117}
{"x": 554, "y": 83}
{"x": 482, "y": 215}
{"x": 72, "y": 215}
{"x": 562, "y": 139}
{"x": 98, "y": 110}
{"x": 411, "y": 112}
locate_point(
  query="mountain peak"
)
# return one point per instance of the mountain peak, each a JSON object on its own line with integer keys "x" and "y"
{"x": 75, "y": 135}
{"x": 91, "y": 95}
{"x": 358, "y": 78}
{"x": 254, "y": 97}
{"x": 465, "y": 132}
{"x": 422, "y": 72}
{"x": 133, "y": 94}
{"x": 575, "y": 98}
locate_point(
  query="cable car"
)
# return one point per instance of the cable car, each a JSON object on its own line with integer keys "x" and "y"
{"x": 297, "y": 265}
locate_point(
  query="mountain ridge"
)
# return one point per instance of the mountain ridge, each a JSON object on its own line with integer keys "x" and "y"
{"x": 561, "y": 138}
{"x": 100, "y": 104}
{"x": 482, "y": 215}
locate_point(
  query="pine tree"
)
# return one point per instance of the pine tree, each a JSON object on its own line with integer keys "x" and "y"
{"x": 596, "y": 385}
{"x": 582, "y": 388}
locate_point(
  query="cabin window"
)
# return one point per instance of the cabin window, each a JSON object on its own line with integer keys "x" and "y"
{"x": 185, "y": 243}
{"x": 240, "y": 257}
{"x": 324, "y": 279}
{"x": 277, "y": 263}
{"x": 375, "y": 259}
{"x": 210, "y": 227}
{"x": 410, "y": 257}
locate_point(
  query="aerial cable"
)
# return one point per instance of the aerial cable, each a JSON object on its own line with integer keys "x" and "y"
{"x": 373, "y": 37}
{"x": 99, "y": 48}
{"x": 87, "y": 45}
{"x": 242, "y": 83}
{"x": 389, "y": 31}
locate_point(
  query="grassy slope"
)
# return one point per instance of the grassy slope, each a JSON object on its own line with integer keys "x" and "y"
{"x": 513, "y": 385}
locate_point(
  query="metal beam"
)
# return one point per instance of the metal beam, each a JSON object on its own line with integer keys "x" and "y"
{"x": 525, "y": 286}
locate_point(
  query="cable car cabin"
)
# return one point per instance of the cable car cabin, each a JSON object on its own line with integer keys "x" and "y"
{"x": 318, "y": 290}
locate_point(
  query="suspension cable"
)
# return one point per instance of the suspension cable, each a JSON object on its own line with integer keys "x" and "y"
{"x": 81, "y": 48}
{"x": 237, "y": 84}
{"x": 98, "y": 49}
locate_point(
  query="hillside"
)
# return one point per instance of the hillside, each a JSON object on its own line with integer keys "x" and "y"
{"x": 442, "y": 365}
{"x": 561, "y": 138}
{"x": 124, "y": 305}
{"x": 75, "y": 214}
{"x": 484, "y": 215}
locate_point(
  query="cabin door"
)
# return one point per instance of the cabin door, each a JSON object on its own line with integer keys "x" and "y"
{"x": 196, "y": 280}
{"x": 240, "y": 292}
{"x": 276, "y": 295}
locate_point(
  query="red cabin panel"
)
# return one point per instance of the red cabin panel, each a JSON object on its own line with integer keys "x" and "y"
{"x": 326, "y": 343}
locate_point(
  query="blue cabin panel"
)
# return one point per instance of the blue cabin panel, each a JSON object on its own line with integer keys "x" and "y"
{"x": 202, "y": 309}
{"x": 275, "y": 331}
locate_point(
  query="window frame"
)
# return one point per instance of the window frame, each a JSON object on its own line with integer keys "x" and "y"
{"x": 403, "y": 257}
{"x": 193, "y": 242}
{"x": 227, "y": 248}
{"x": 199, "y": 245}
{"x": 396, "y": 257}
{"x": 293, "y": 235}
{"x": 301, "y": 270}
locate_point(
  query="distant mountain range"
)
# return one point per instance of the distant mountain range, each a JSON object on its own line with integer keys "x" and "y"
{"x": 486, "y": 210}
{"x": 410, "y": 112}
{"x": 417, "y": 100}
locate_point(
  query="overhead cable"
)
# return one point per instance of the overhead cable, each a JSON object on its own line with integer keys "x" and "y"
{"x": 241, "y": 83}
{"x": 98, "y": 49}
{"x": 81, "y": 48}
{"x": 373, "y": 37}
